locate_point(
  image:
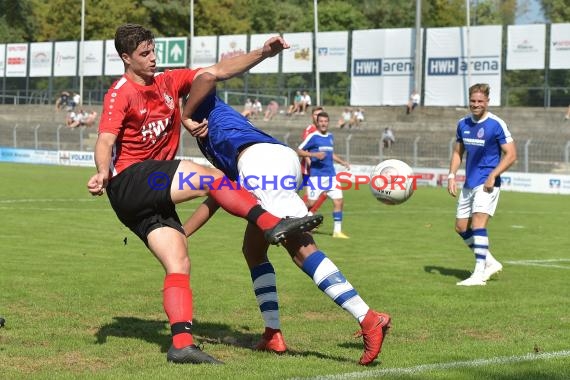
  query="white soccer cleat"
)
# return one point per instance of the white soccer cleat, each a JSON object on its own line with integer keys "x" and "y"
{"x": 492, "y": 269}
{"x": 474, "y": 280}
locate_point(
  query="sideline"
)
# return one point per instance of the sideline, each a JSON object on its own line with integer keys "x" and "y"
{"x": 442, "y": 366}
{"x": 542, "y": 263}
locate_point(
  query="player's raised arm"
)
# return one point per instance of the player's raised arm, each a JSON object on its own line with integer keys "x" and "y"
{"x": 230, "y": 67}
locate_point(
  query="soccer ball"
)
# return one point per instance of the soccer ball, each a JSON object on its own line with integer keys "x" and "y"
{"x": 391, "y": 182}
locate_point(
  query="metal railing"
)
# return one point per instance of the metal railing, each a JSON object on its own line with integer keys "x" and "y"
{"x": 534, "y": 156}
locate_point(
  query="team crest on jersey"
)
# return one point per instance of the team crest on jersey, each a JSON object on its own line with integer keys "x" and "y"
{"x": 169, "y": 101}
{"x": 481, "y": 133}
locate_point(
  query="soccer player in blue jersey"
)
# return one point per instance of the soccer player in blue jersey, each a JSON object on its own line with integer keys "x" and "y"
{"x": 272, "y": 173}
{"x": 490, "y": 150}
{"x": 319, "y": 147}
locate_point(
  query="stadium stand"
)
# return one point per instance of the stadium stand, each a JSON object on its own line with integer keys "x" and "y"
{"x": 423, "y": 138}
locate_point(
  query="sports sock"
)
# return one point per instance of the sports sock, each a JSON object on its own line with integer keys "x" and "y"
{"x": 333, "y": 283}
{"x": 480, "y": 248}
{"x": 337, "y": 217}
{"x": 467, "y": 237}
{"x": 490, "y": 258}
{"x": 322, "y": 198}
{"x": 265, "y": 288}
{"x": 239, "y": 202}
{"x": 177, "y": 302}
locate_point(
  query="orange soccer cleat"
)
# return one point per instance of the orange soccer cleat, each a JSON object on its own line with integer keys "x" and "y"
{"x": 374, "y": 328}
{"x": 272, "y": 341}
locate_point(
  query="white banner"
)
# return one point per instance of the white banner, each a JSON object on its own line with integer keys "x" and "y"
{"x": 299, "y": 57}
{"x": 560, "y": 46}
{"x": 2, "y": 59}
{"x": 232, "y": 45}
{"x": 269, "y": 65}
{"x": 41, "y": 59}
{"x": 332, "y": 52}
{"x": 382, "y": 66}
{"x": 204, "y": 51}
{"x": 92, "y": 58}
{"x": 16, "y": 60}
{"x": 65, "y": 59}
{"x": 113, "y": 63}
{"x": 525, "y": 47}
{"x": 448, "y": 71}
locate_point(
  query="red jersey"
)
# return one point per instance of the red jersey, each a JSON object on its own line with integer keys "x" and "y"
{"x": 145, "y": 119}
{"x": 306, "y": 164}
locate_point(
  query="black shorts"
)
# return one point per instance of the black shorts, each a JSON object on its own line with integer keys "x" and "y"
{"x": 140, "y": 196}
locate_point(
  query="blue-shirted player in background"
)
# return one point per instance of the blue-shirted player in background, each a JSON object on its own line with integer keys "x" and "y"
{"x": 483, "y": 137}
{"x": 271, "y": 171}
{"x": 319, "y": 147}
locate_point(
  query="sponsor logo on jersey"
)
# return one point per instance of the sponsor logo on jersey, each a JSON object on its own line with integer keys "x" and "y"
{"x": 480, "y": 133}
{"x": 169, "y": 101}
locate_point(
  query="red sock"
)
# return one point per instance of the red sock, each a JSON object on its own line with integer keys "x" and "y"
{"x": 322, "y": 198}
{"x": 239, "y": 202}
{"x": 177, "y": 302}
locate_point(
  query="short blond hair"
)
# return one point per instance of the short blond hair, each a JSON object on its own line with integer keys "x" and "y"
{"x": 483, "y": 88}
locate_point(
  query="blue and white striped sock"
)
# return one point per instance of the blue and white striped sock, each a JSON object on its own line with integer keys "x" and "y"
{"x": 467, "y": 237}
{"x": 333, "y": 283}
{"x": 265, "y": 288}
{"x": 480, "y": 248}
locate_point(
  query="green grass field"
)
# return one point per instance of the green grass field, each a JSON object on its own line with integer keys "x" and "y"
{"x": 79, "y": 303}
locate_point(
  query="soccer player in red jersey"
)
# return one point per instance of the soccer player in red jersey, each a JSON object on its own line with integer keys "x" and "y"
{"x": 135, "y": 153}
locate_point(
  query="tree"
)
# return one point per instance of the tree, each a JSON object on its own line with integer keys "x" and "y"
{"x": 16, "y": 22}
{"x": 556, "y": 11}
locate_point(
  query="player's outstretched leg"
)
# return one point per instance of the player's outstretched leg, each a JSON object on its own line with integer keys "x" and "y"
{"x": 330, "y": 280}
{"x": 291, "y": 226}
{"x": 239, "y": 202}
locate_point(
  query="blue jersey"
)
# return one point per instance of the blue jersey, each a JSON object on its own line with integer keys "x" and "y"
{"x": 317, "y": 142}
{"x": 482, "y": 141}
{"x": 228, "y": 134}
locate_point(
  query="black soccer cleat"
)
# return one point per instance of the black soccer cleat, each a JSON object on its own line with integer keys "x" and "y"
{"x": 290, "y": 226}
{"x": 190, "y": 354}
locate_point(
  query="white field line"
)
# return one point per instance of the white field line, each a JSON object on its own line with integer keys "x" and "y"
{"x": 450, "y": 365}
{"x": 542, "y": 263}
{"x": 33, "y": 200}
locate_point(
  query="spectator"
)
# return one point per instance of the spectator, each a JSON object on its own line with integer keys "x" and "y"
{"x": 388, "y": 138}
{"x": 295, "y": 108}
{"x": 81, "y": 118}
{"x": 567, "y": 117}
{"x": 256, "y": 109}
{"x": 413, "y": 102}
{"x": 345, "y": 118}
{"x": 271, "y": 110}
{"x": 305, "y": 102}
{"x": 247, "y": 108}
{"x": 75, "y": 100}
{"x": 357, "y": 117}
{"x": 63, "y": 101}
